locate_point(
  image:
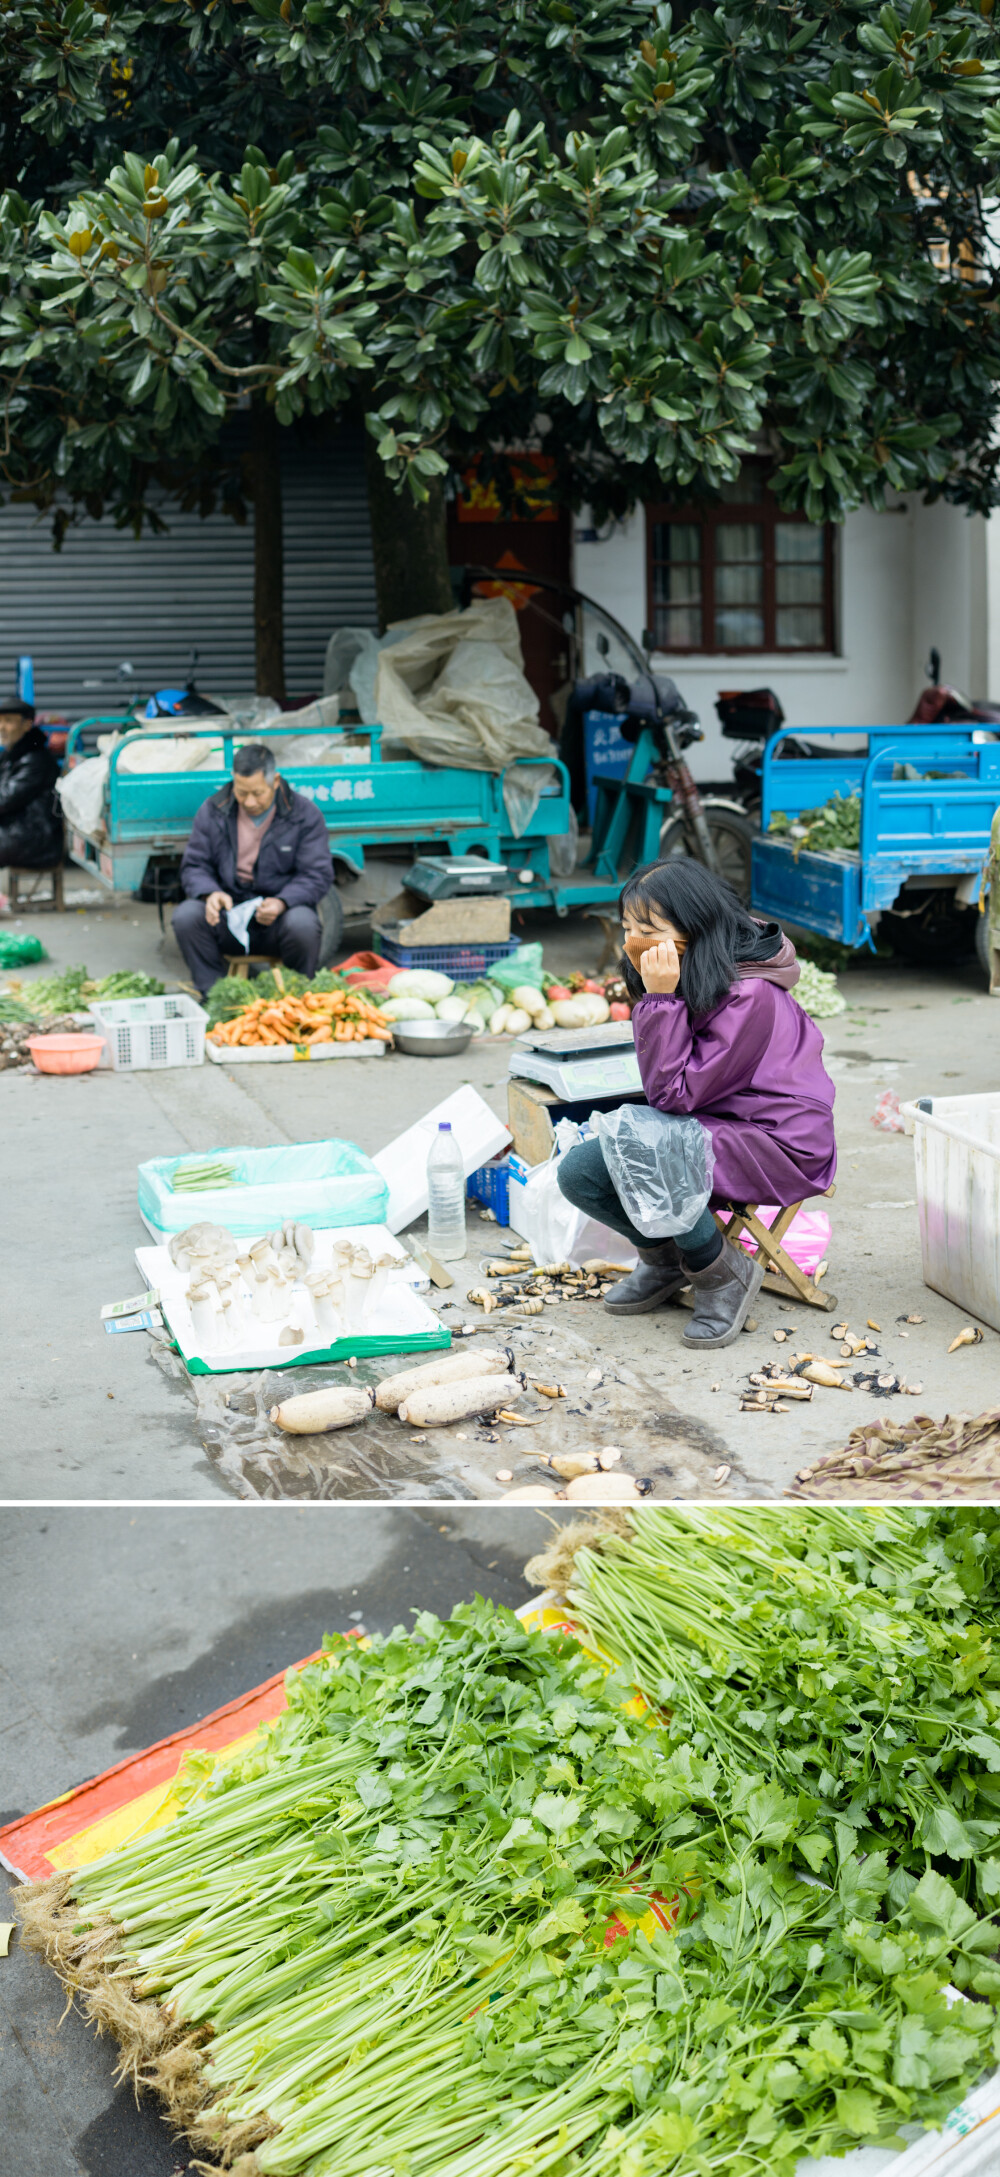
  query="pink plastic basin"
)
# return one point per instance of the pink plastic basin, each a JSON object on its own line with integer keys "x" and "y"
{"x": 66, "y": 1054}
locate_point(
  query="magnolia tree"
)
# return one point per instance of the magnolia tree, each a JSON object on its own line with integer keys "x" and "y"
{"x": 654, "y": 240}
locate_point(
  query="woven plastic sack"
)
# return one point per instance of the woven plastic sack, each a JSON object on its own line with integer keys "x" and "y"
{"x": 659, "y": 1165}
{"x": 318, "y": 1183}
{"x": 451, "y": 687}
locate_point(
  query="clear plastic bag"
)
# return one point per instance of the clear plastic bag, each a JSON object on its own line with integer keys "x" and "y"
{"x": 564, "y": 848}
{"x": 660, "y": 1166}
{"x": 555, "y": 1229}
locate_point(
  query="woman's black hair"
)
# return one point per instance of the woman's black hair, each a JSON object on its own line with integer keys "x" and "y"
{"x": 720, "y": 931}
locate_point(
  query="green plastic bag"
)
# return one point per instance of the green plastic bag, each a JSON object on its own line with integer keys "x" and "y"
{"x": 19, "y": 952}
{"x": 523, "y": 966}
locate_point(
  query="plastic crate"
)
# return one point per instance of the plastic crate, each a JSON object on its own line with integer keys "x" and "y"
{"x": 464, "y": 963}
{"x": 490, "y": 1185}
{"x": 142, "y": 1033}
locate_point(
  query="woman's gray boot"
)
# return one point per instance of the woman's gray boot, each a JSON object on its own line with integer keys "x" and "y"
{"x": 722, "y": 1296}
{"x": 658, "y": 1275}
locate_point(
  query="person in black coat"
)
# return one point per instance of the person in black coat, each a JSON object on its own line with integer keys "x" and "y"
{"x": 31, "y": 827}
{"x": 255, "y": 838}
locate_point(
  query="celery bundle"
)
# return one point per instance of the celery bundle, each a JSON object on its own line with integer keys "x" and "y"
{"x": 461, "y": 1913}
{"x": 200, "y": 1174}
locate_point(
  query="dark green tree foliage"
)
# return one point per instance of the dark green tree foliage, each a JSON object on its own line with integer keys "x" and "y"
{"x": 676, "y": 234}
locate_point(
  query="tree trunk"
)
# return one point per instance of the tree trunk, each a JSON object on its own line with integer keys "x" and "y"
{"x": 409, "y": 546}
{"x": 268, "y": 552}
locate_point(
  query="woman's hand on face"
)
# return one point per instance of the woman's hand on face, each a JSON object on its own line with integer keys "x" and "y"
{"x": 660, "y": 968}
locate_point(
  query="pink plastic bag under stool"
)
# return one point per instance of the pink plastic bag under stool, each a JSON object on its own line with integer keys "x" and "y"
{"x": 807, "y": 1239}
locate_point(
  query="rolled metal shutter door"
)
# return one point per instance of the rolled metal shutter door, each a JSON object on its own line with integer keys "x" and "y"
{"x": 108, "y": 596}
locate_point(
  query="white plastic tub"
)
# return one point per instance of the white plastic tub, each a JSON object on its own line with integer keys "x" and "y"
{"x": 957, "y": 1149}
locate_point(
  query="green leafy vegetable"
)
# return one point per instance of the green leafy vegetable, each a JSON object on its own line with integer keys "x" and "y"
{"x": 408, "y": 1916}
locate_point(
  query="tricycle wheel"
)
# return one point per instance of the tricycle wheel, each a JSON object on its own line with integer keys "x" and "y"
{"x": 331, "y": 915}
{"x": 936, "y": 933}
{"x": 732, "y": 837}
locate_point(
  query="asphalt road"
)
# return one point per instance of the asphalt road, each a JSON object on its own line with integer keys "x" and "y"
{"x": 90, "y": 1416}
{"x": 120, "y": 1626}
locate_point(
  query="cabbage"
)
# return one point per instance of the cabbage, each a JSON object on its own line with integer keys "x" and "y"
{"x": 403, "y": 1008}
{"x": 421, "y": 983}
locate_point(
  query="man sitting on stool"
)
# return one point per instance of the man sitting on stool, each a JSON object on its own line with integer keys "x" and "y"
{"x": 255, "y": 837}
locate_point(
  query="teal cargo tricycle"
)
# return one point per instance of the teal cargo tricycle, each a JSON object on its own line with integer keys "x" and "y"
{"x": 369, "y": 804}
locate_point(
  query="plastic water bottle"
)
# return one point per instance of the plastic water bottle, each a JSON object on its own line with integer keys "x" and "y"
{"x": 445, "y": 1196}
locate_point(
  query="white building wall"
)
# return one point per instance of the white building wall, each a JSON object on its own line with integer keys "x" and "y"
{"x": 912, "y": 578}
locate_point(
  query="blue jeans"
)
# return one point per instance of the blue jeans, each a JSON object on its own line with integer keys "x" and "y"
{"x": 585, "y": 1181}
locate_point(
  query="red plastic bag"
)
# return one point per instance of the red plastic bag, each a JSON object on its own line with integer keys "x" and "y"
{"x": 368, "y": 968}
{"x": 887, "y": 1115}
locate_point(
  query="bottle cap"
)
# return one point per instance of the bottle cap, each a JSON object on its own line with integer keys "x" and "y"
{"x": 444, "y": 1126}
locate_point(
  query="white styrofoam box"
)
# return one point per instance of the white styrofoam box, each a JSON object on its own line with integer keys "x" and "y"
{"x": 231, "y": 1054}
{"x": 404, "y": 1323}
{"x": 141, "y": 1033}
{"x": 403, "y": 1162}
{"x": 957, "y": 1150}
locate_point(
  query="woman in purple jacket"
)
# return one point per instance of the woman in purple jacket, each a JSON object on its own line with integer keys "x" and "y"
{"x": 719, "y": 1038}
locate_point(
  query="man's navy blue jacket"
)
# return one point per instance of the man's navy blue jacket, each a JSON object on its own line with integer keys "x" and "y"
{"x": 293, "y": 864}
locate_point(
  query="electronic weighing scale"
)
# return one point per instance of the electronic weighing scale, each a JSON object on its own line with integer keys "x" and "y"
{"x": 578, "y": 1062}
{"x": 450, "y": 876}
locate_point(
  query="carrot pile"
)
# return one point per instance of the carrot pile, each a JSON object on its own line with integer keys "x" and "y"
{"x": 318, "y": 1016}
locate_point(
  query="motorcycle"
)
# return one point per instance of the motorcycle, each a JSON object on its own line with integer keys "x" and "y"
{"x": 604, "y": 669}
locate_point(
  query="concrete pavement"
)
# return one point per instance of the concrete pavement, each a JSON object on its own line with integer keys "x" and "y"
{"x": 121, "y": 1626}
{"x": 94, "y": 1417}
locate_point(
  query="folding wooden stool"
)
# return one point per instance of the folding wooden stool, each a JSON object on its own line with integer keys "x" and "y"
{"x": 781, "y": 1274}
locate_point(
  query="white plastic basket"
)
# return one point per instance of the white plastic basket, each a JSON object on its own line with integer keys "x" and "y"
{"x": 957, "y": 1147}
{"x": 141, "y": 1033}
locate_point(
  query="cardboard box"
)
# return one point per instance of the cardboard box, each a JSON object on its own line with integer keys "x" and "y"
{"x": 532, "y": 1112}
{"x": 444, "y": 922}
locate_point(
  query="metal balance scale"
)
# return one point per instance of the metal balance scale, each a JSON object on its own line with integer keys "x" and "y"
{"x": 579, "y": 1062}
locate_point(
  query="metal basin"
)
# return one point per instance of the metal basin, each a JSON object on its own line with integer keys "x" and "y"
{"x": 431, "y": 1038}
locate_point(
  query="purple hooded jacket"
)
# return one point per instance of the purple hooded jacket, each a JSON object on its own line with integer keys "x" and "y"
{"x": 752, "y": 1072}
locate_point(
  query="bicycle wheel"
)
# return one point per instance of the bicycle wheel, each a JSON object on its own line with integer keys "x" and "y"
{"x": 732, "y": 838}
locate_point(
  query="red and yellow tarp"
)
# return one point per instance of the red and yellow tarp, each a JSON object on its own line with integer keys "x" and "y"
{"x": 139, "y": 1795}
{"x": 135, "y": 1795}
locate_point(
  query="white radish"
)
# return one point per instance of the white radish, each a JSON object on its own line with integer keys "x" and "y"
{"x": 315, "y": 1411}
{"x": 530, "y": 1495}
{"x": 393, "y": 1391}
{"x": 546, "y": 1018}
{"x": 498, "y": 1020}
{"x": 439, "y": 1403}
{"x": 528, "y": 998}
{"x": 518, "y": 1021}
{"x": 587, "y": 1010}
{"x": 602, "y": 1489}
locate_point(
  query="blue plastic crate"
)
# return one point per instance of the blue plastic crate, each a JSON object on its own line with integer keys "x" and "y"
{"x": 464, "y": 963}
{"x": 490, "y": 1185}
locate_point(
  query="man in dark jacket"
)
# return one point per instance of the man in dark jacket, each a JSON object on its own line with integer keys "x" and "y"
{"x": 253, "y": 839}
{"x": 31, "y": 830}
